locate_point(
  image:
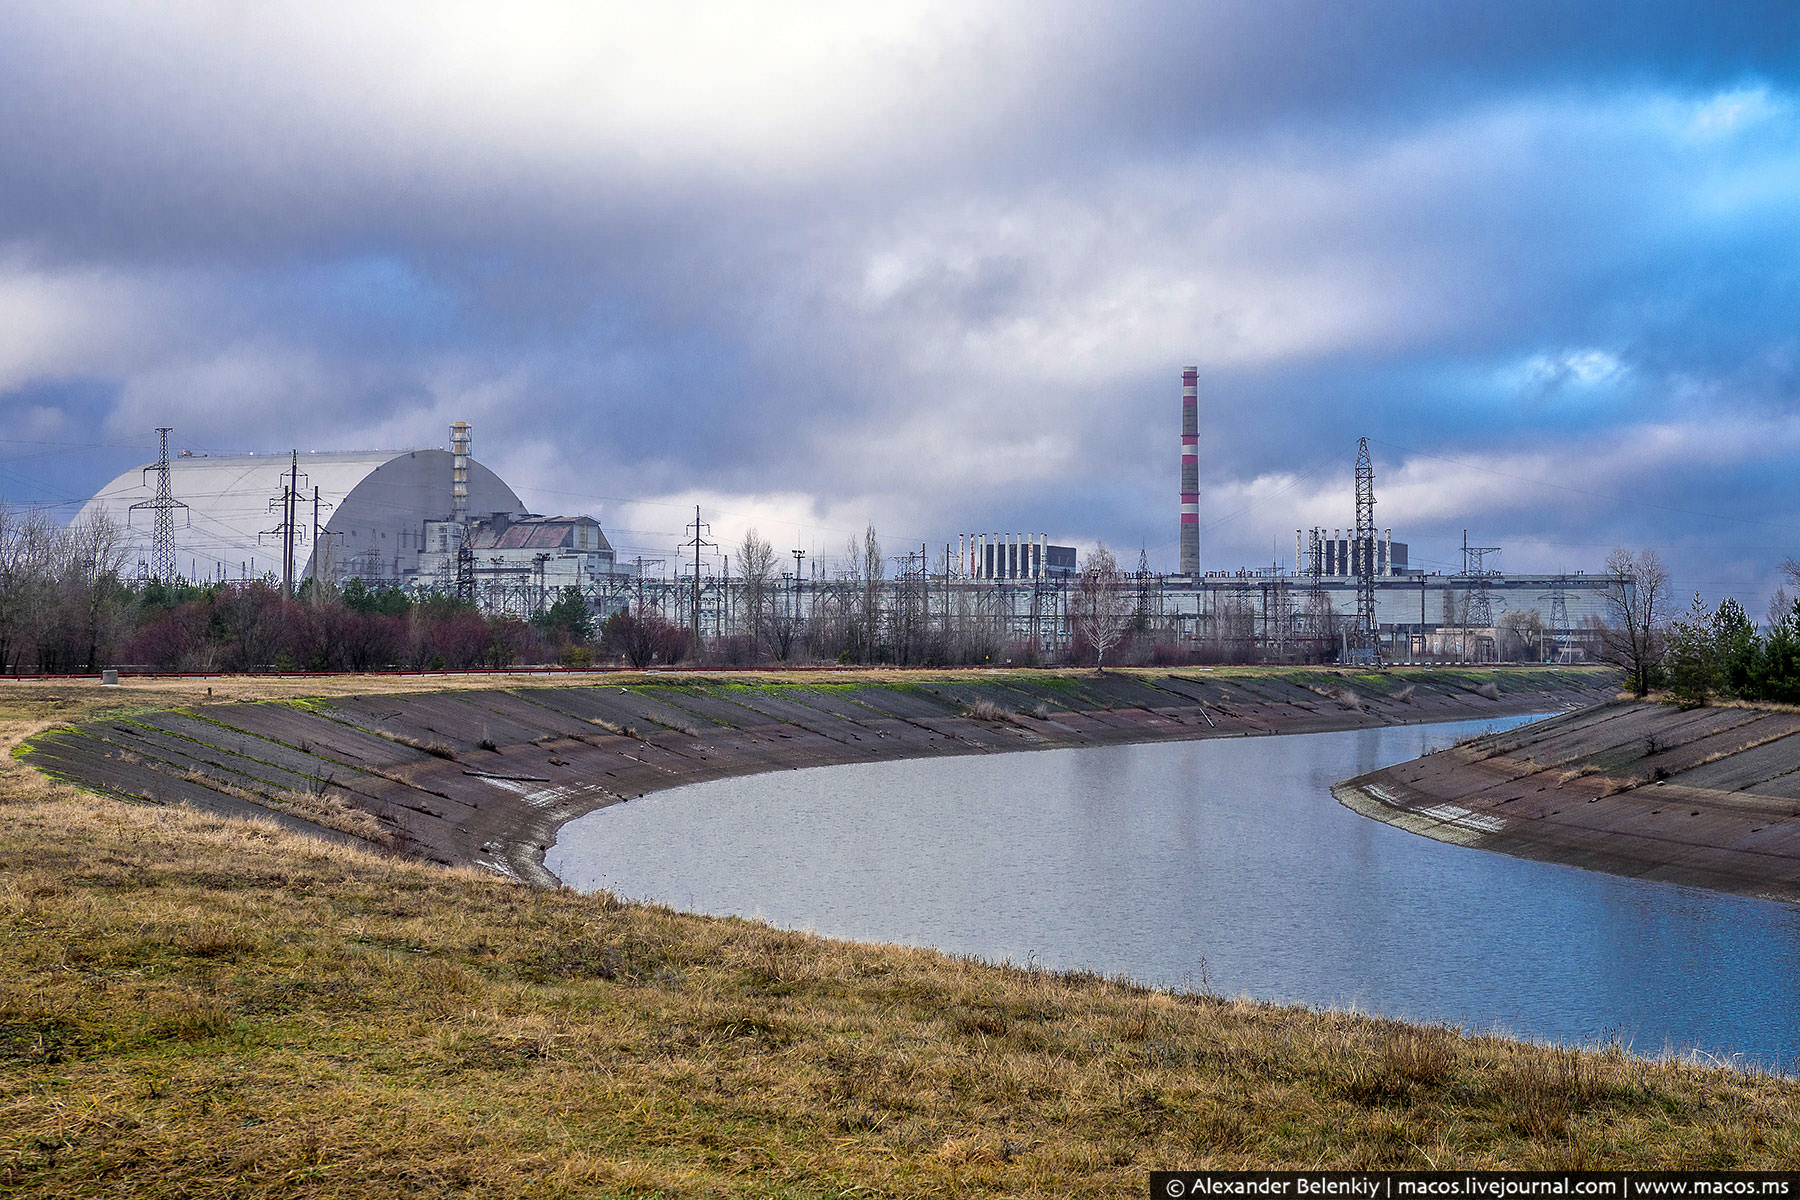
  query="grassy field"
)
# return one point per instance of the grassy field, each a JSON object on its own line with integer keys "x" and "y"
{"x": 194, "y": 1007}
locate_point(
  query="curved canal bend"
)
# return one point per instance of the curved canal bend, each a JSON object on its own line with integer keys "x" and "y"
{"x": 1224, "y": 864}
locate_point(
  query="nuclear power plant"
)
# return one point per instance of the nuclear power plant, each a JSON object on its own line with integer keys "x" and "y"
{"x": 435, "y": 520}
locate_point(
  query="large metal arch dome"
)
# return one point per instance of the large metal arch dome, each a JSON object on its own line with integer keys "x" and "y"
{"x": 372, "y": 509}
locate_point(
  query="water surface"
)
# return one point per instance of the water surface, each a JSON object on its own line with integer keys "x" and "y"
{"x": 1224, "y": 864}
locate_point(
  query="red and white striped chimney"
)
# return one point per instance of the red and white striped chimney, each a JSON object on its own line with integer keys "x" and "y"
{"x": 1190, "y": 471}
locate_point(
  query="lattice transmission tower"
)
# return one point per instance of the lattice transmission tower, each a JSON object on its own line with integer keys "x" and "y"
{"x": 162, "y": 537}
{"x": 1476, "y": 571}
{"x": 1368, "y": 634}
{"x": 1558, "y": 596}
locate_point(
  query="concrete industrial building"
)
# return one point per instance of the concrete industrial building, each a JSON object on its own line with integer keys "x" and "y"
{"x": 1012, "y": 556}
{"x": 519, "y": 564}
{"x": 1320, "y": 552}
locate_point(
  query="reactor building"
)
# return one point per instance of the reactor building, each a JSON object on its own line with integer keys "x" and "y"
{"x": 422, "y": 519}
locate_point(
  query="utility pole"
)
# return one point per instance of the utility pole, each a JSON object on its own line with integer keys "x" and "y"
{"x": 290, "y": 533}
{"x": 698, "y": 542}
{"x": 319, "y": 535}
{"x": 946, "y": 593}
{"x": 162, "y": 545}
{"x": 293, "y": 495}
{"x": 924, "y": 590}
{"x": 799, "y": 558}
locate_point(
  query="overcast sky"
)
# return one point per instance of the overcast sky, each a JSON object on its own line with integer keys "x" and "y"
{"x": 935, "y": 266}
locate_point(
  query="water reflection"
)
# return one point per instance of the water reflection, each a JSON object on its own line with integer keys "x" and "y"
{"x": 1227, "y": 860}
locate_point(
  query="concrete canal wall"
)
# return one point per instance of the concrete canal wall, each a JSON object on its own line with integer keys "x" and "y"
{"x": 1708, "y": 797}
{"x": 486, "y": 776}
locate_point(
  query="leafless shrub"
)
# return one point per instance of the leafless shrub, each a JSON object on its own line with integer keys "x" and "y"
{"x": 985, "y": 710}
{"x": 1488, "y": 691}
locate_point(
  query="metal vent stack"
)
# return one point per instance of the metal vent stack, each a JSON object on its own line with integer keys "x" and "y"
{"x": 459, "y": 471}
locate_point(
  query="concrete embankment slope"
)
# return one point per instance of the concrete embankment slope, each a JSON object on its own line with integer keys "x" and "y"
{"x": 486, "y": 776}
{"x": 1708, "y": 797}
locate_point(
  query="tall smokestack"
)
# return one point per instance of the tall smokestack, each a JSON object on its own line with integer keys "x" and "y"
{"x": 1190, "y": 471}
{"x": 459, "y": 471}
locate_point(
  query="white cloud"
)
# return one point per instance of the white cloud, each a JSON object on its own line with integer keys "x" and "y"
{"x": 1733, "y": 111}
{"x": 930, "y": 265}
{"x": 88, "y": 321}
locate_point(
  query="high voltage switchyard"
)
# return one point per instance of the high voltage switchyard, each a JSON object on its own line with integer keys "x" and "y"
{"x": 428, "y": 520}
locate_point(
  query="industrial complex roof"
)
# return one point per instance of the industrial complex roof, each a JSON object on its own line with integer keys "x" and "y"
{"x": 537, "y": 533}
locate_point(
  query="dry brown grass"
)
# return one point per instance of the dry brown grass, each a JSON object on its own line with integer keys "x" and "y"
{"x": 201, "y": 1007}
{"x": 437, "y": 749}
{"x": 1751, "y": 744}
{"x": 986, "y": 710}
{"x": 198, "y": 1007}
{"x": 320, "y": 807}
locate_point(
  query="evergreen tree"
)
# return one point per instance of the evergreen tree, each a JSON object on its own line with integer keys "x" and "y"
{"x": 1777, "y": 674}
{"x": 568, "y": 614}
{"x": 1735, "y": 647}
{"x": 1691, "y": 659}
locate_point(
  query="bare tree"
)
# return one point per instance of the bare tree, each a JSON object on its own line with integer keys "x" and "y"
{"x": 1103, "y": 604}
{"x": 62, "y": 603}
{"x": 96, "y": 599}
{"x": 1783, "y": 601}
{"x": 1522, "y": 635}
{"x": 1632, "y": 637}
{"x": 869, "y": 573}
{"x": 784, "y": 628}
{"x": 756, "y": 559}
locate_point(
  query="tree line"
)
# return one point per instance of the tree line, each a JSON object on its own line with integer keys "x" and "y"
{"x": 67, "y": 606}
{"x": 1705, "y": 651}
{"x": 868, "y": 613}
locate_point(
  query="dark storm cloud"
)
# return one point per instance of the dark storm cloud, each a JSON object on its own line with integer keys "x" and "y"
{"x": 939, "y": 267}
